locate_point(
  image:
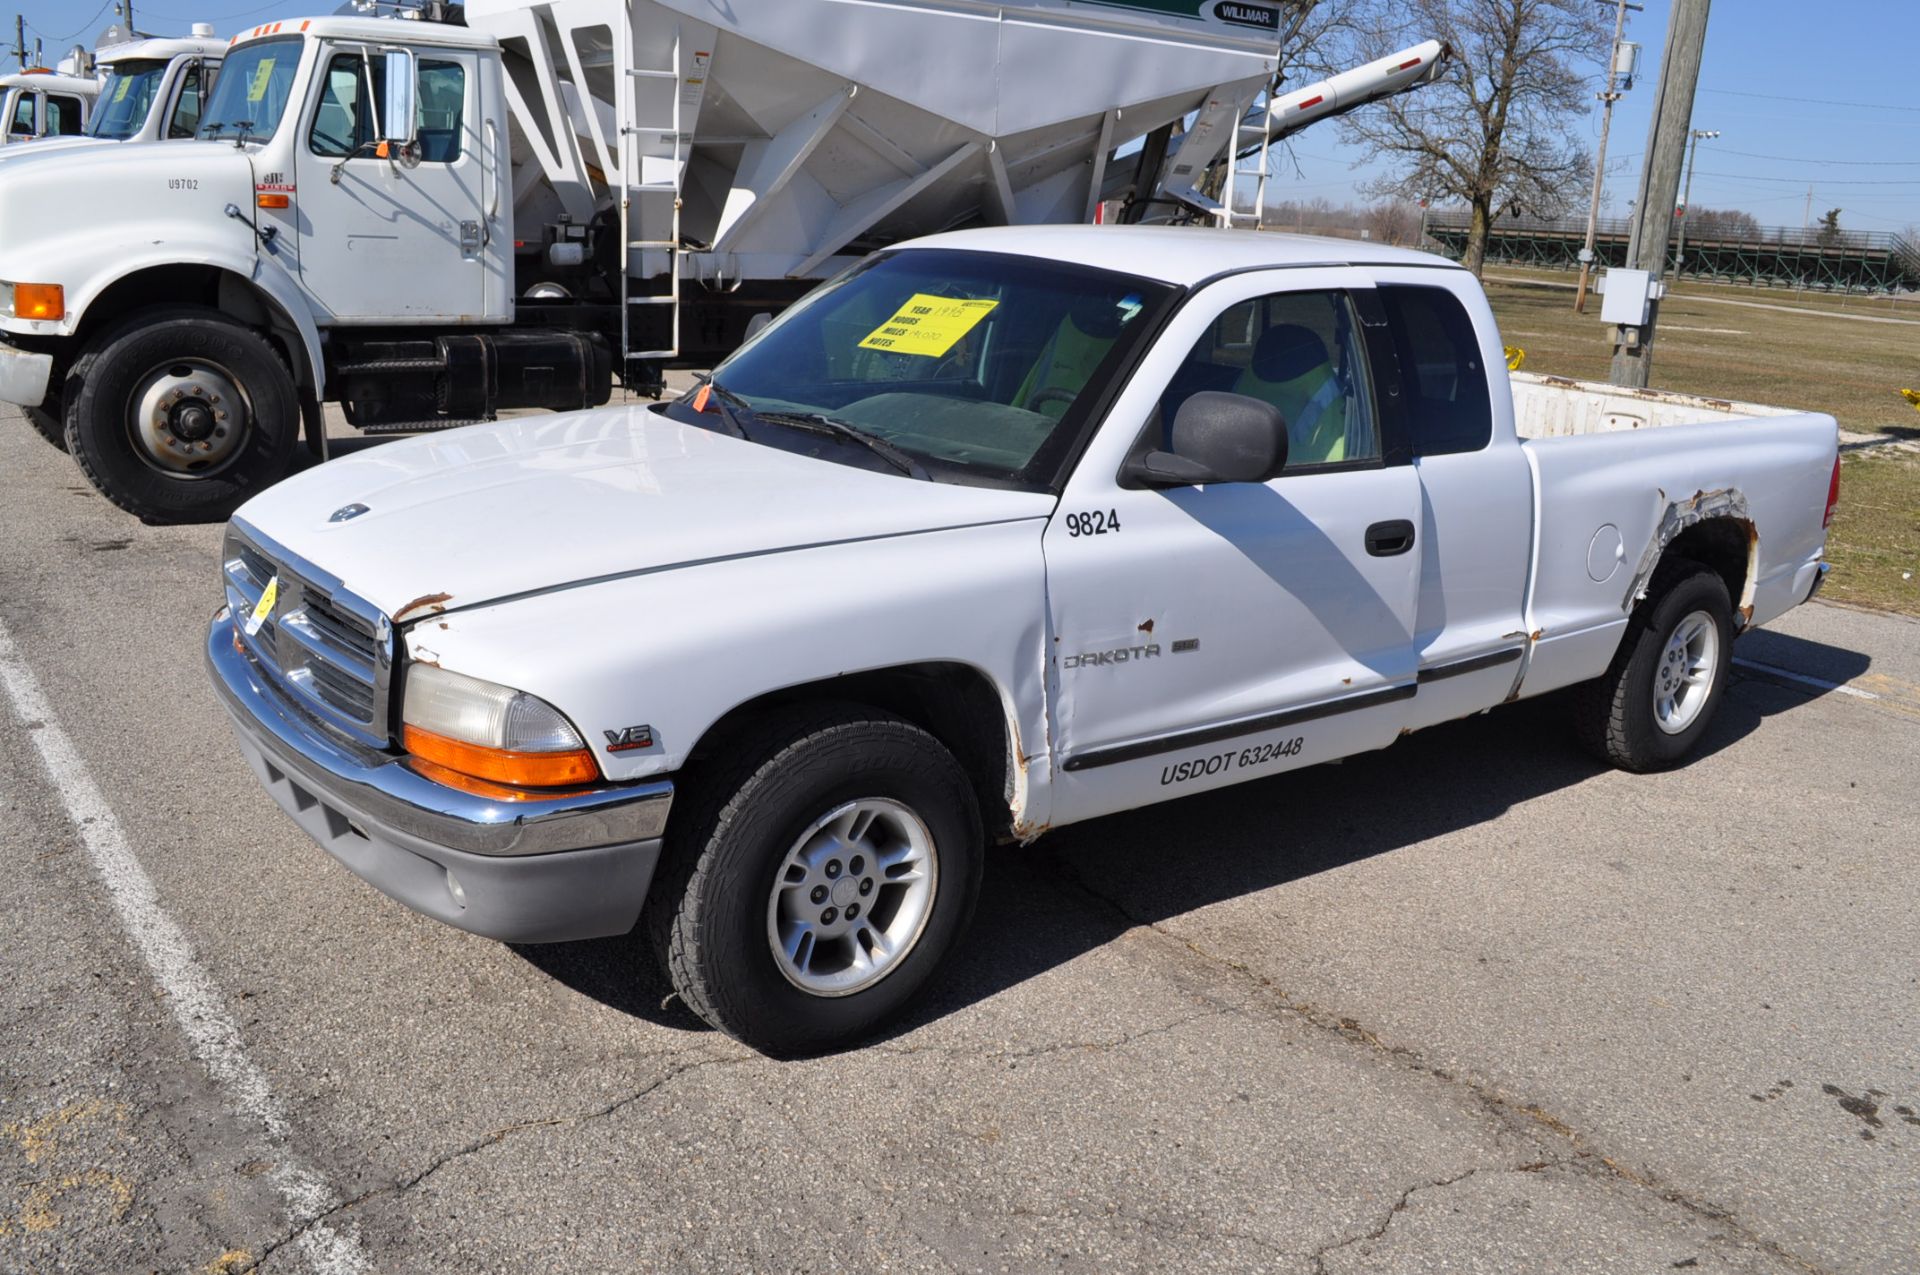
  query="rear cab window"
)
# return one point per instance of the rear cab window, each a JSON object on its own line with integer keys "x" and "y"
{"x": 1447, "y": 404}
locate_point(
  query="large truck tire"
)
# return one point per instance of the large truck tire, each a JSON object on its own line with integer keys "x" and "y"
{"x": 1657, "y": 699}
{"x": 816, "y": 878}
{"x": 179, "y": 413}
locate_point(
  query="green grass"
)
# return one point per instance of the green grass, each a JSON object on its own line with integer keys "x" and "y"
{"x": 1853, "y": 371}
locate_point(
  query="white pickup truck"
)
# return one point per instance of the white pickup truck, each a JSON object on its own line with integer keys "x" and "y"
{"x": 999, "y": 530}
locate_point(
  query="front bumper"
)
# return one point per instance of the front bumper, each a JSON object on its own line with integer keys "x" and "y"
{"x": 24, "y": 376}
{"x": 575, "y": 866}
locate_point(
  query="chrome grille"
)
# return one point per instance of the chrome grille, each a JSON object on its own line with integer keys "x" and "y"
{"x": 330, "y": 648}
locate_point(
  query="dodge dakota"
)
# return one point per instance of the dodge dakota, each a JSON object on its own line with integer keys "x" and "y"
{"x": 997, "y": 531}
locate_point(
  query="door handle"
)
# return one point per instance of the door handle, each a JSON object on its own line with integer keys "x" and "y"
{"x": 1385, "y": 539}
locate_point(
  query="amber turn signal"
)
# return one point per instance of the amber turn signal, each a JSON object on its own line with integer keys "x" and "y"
{"x": 502, "y": 765}
{"x": 39, "y": 301}
{"x": 272, "y": 201}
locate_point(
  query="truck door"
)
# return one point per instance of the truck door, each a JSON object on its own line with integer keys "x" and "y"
{"x": 1204, "y": 635}
{"x": 400, "y": 238}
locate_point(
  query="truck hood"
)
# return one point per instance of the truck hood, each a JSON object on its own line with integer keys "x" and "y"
{"x": 136, "y": 195}
{"x": 494, "y": 511}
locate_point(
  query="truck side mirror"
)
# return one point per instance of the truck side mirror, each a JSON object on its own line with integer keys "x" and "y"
{"x": 399, "y": 107}
{"x": 1218, "y": 438}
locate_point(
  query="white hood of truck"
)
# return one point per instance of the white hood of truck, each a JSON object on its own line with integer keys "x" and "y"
{"x": 492, "y": 511}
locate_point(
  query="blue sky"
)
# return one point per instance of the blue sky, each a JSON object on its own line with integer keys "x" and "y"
{"x": 1801, "y": 92}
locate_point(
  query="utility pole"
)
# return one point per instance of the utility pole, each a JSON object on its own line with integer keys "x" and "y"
{"x": 1660, "y": 180}
{"x": 20, "y": 39}
{"x": 1686, "y": 200}
{"x": 1806, "y": 217}
{"x": 1609, "y": 97}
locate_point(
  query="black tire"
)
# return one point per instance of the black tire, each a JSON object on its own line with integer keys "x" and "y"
{"x": 47, "y": 425}
{"x": 730, "y": 835}
{"x": 1614, "y": 715}
{"x": 100, "y": 396}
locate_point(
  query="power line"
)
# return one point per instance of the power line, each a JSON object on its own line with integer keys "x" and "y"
{"x": 1789, "y": 159}
{"x": 1815, "y": 101}
{"x": 1800, "y": 181}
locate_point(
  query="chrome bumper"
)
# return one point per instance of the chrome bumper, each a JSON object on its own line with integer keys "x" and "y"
{"x": 543, "y": 870}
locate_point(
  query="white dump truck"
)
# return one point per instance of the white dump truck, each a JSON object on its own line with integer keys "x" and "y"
{"x": 430, "y": 221}
{"x": 1002, "y": 530}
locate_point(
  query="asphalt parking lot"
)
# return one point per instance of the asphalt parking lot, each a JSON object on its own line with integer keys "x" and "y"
{"x": 1469, "y": 1004}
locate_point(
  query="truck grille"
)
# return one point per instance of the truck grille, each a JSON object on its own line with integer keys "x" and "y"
{"x": 330, "y": 649}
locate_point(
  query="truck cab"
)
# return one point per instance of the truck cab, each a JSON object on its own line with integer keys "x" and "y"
{"x": 155, "y": 88}
{"x": 40, "y": 103}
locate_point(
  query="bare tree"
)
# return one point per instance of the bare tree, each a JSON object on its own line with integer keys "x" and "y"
{"x": 1497, "y": 131}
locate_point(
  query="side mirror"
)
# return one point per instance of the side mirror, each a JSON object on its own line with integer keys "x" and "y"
{"x": 1218, "y": 438}
{"x": 399, "y": 108}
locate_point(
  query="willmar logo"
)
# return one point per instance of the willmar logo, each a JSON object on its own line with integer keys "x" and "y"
{"x": 1266, "y": 17}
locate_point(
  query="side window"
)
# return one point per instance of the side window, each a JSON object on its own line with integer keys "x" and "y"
{"x": 21, "y": 125}
{"x": 1301, "y": 352}
{"x": 186, "y": 111}
{"x": 336, "y": 123}
{"x": 343, "y": 123}
{"x": 63, "y": 116}
{"x": 1440, "y": 363}
{"x": 443, "y": 101}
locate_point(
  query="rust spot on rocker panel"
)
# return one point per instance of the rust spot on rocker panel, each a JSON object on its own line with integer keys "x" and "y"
{"x": 426, "y": 601}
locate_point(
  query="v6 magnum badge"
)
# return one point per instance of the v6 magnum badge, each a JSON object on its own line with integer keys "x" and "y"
{"x": 628, "y": 738}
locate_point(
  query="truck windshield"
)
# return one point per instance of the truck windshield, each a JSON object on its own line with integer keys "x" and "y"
{"x": 251, "y": 94}
{"x": 125, "y": 99}
{"x": 979, "y": 366}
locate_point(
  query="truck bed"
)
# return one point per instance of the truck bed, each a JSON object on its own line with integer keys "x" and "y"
{"x": 1560, "y": 407}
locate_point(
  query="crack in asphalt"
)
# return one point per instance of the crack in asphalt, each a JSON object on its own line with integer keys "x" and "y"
{"x": 401, "y": 1186}
{"x": 1318, "y": 1257}
{"x": 1521, "y": 1117}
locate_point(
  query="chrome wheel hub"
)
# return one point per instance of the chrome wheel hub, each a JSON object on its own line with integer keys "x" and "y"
{"x": 188, "y": 418}
{"x": 1686, "y": 672}
{"x": 852, "y": 897}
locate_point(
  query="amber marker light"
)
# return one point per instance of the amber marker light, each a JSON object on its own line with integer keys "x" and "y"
{"x": 39, "y": 301}
{"x": 272, "y": 201}
{"x": 489, "y": 733}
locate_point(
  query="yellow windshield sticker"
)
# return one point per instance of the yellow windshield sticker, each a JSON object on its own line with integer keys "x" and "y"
{"x": 927, "y": 325}
{"x": 264, "y": 607}
{"x": 258, "y": 89}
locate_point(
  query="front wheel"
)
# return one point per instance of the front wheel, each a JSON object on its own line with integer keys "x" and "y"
{"x": 181, "y": 413}
{"x": 811, "y": 889}
{"x": 1650, "y": 708}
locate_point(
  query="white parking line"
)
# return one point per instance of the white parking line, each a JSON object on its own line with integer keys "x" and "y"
{"x": 1820, "y": 682}
{"x": 197, "y": 1003}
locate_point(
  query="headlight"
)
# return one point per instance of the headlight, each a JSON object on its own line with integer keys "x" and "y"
{"x": 33, "y": 300}
{"x": 491, "y": 732}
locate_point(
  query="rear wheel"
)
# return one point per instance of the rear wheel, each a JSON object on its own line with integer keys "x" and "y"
{"x": 180, "y": 413}
{"x": 1658, "y": 697}
{"x": 812, "y": 887}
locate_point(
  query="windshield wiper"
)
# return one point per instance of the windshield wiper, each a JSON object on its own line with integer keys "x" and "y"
{"x": 820, "y": 423}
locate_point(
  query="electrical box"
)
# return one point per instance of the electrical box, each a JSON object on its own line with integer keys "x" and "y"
{"x": 1626, "y": 62}
{"x": 1625, "y": 296}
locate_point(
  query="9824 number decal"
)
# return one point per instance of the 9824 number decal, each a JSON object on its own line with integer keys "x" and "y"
{"x": 1093, "y": 523}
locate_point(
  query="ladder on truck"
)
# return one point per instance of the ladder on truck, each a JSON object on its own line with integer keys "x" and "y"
{"x": 1237, "y": 155}
{"x": 649, "y": 210}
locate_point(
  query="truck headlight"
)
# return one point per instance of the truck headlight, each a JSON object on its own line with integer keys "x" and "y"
{"x": 33, "y": 300}
{"x": 490, "y": 732}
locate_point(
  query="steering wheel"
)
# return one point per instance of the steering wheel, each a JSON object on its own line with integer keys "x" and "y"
{"x": 1052, "y": 392}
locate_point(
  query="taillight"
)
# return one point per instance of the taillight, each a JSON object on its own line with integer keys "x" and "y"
{"x": 1833, "y": 494}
